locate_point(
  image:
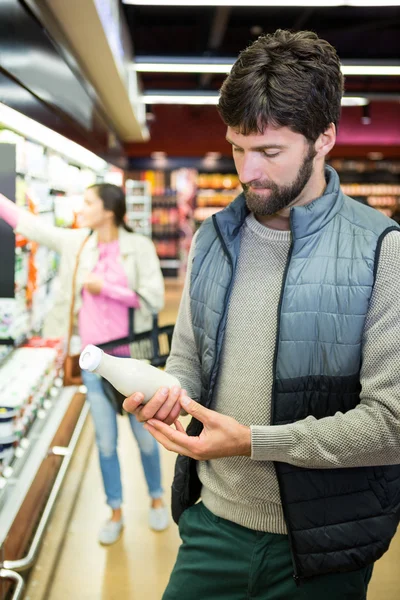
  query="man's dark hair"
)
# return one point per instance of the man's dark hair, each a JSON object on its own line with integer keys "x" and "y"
{"x": 284, "y": 79}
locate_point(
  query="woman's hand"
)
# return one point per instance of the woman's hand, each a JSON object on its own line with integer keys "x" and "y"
{"x": 93, "y": 284}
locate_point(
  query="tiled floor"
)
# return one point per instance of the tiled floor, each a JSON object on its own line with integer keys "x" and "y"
{"x": 138, "y": 566}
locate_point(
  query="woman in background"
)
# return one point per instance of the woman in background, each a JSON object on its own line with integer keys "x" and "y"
{"x": 117, "y": 270}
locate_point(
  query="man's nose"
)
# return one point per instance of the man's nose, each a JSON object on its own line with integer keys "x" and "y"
{"x": 250, "y": 169}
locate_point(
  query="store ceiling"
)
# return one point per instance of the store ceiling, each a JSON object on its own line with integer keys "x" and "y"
{"x": 359, "y": 34}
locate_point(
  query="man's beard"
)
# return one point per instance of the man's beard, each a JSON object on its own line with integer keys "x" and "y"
{"x": 280, "y": 196}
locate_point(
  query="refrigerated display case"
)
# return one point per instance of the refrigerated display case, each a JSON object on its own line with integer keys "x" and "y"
{"x": 172, "y": 203}
{"x": 40, "y": 420}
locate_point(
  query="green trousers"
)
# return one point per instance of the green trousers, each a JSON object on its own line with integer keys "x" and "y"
{"x": 219, "y": 560}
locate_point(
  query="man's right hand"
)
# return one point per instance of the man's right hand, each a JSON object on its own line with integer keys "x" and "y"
{"x": 163, "y": 406}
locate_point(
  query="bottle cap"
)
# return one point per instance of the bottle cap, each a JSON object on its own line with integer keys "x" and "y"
{"x": 90, "y": 358}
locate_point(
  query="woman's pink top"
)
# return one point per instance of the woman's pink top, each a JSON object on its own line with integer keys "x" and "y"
{"x": 104, "y": 317}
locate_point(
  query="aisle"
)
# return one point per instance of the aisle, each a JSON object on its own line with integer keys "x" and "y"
{"x": 138, "y": 566}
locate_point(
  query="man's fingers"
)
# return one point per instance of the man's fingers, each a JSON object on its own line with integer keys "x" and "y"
{"x": 167, "y": 407}
{"x": 179, "y": 426}
{"x": 166, "y": 442}
{"x": 152, "y": 406}
{"x": 180, "y": 438}
{"x": 133, "y": 402}
{"x": 173, "y": 415}
{"x": 202, "y": 414}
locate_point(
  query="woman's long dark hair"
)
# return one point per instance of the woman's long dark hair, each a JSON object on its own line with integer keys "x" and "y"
{"x": 113, "y": 199}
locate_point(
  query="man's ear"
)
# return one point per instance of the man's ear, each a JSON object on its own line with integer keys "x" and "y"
{"x": 326, "y": 141}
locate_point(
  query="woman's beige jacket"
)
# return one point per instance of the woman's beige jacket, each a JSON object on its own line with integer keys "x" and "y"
{"x": 139, "y": 260}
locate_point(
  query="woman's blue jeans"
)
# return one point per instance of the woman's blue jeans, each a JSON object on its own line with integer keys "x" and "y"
{"x": 105, "y": 424}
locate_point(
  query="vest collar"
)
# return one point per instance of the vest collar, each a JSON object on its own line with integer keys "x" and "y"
{"x": 305, "y": 220}
{"x": 310, "y": 218}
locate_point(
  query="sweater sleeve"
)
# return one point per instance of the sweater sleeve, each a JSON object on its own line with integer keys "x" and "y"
{"x": 184, "y": 361}
{"x": 369, "y": 434}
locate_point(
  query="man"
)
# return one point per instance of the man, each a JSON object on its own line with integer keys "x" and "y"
{"x": 287, "y": 345}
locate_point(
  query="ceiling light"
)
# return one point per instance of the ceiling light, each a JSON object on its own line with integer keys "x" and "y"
{"x": 376, "y": 70}
{"x": 47, "y": 137}
{"x": 354, "y": 101}
{"x": 159, "y": 65}
{"x": 289, "y": 3}
{"x": 175, "y": 98}
{"x": 212, "y": 99}
{"x": 158, "y": 155}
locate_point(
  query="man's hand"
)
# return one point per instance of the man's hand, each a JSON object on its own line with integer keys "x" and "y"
{"x": 222, "y": 436}
{"x": 93, "y": 284}
{"x": 164, "y": 405}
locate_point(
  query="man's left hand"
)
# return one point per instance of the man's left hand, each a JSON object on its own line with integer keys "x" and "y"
{"x": 221, "y": 436}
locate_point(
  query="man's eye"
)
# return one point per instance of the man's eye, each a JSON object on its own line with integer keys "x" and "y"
{"x": 268, "y": 155}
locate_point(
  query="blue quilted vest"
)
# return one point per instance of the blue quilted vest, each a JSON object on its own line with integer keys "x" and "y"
{"x": 337, "y": 519}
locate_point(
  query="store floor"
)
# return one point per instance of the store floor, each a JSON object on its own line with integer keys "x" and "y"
{"x": 138, "y": 566}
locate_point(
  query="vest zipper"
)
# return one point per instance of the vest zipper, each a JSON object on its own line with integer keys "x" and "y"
{"x": 227, "y": 294}
{"x": 296, "y": 576}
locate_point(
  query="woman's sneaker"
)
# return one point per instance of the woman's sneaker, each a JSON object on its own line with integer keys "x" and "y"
{"x": 111, "y": 532}
{"x": 159, "y": 518}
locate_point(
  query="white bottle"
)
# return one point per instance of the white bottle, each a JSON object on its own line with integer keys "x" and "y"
{"x": 127, "y": 375}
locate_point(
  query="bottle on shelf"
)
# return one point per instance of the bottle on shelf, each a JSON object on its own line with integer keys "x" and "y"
{"x": 127, "y": 375}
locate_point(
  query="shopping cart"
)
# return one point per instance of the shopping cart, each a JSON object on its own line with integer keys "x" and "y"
{"x": 153, "y": 345}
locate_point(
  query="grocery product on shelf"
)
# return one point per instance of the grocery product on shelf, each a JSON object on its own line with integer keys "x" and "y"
{"x": 22, "y": 398}
{"x": 215, "y": 191}
{"x": 172, "y": 203}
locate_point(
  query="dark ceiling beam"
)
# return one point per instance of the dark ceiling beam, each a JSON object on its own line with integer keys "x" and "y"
{"x": 217, "y": 33}
{"x": 361, "y": 27}
{"x": 302, "y": 19}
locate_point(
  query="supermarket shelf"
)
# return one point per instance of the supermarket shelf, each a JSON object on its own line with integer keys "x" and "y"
{"x": 164, "y": 206}
{"x": 6, "y": 354}
{"x": 13, "y": 342}
{"x": 170, "y": 263}
{"x": 138, "y": 214}
{"x": 57, "y": 192}
{"x": 136, "y": 199}
{"x": 219, "y": 190}
{"x": 166, "y": 235}
{"x": 41, "y": 178}
{"x": 24, "y": 468}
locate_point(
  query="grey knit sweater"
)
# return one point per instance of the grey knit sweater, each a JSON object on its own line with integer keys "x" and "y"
{"x": 245, "y": 490}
